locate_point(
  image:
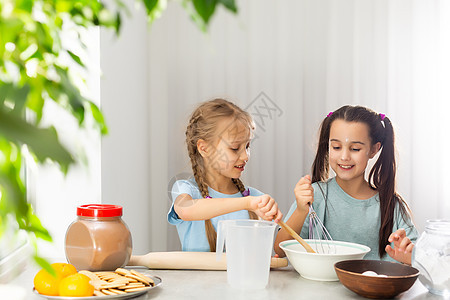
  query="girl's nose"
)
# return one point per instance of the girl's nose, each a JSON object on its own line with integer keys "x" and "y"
{"x": 245, "y": 155}
{"x": 345, "y": 155}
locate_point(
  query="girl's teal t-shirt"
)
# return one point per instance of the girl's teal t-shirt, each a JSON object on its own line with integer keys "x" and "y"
{"x": 192, "y": 234}
{"x": 352, "y": 220}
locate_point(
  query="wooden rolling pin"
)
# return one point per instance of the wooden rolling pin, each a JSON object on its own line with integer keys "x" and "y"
{"x": 180, "y": 260}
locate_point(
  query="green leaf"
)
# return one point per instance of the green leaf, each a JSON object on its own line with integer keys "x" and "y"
{"x": 58, "y": 22}
{"x": 205, "y": 8}
{"x": 13, "y": 192}
{"x": 35, "y": 226}
{"x": 78, "y": 111}
{"x": 156, "y": 11}
{"x": 229, "y": 4}
{"x": 76, "y": 58}
{"x": 95, "y": 20}
{"x": 43, "y": 263}
{"x": 98, "y": 116}
{"x": 43, "y": 142}
{"x": 150, "y": 5}
{"x": 63, "y": 6}
{"x": 26, "y": 5}
{"x": 35, "y": 100}
{"x": 76, "y": 101}
{"x": 44, "y": 37}
{"x": 19, "y": 96}
{"x": 4, "y": 91}
{"x": 118, "y": 23}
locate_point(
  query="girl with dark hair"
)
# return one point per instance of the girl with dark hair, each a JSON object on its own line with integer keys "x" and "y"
{"x": 353, "y": 208}
{"x": 218, "y": 141}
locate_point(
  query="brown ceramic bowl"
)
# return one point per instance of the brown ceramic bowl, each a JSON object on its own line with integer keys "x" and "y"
{"x": 399, "y": 277}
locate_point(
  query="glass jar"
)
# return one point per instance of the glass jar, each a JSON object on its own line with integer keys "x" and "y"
{"x": 98, "y": 240}
{"x": 431, "y": 256}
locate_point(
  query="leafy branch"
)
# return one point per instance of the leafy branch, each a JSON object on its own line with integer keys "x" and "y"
{"x": 36, "y": 67}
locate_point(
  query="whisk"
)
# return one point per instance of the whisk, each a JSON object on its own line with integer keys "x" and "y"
{"x": 317, "y": 231}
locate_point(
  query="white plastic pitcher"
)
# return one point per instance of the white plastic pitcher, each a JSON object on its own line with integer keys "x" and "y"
{"x": 249, "y": 247}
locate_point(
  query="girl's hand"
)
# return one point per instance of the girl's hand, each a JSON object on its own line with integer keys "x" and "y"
{"x": 403, "y": 247}
{"x": 304, "y": 194}
{"x": 265, "y": 207}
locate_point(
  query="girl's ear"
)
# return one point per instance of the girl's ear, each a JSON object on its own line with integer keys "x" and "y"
{"x": 202, "y": 147}
{"x": 374, "y": 150}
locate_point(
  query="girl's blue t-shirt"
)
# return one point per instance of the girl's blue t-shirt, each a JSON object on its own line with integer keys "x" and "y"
{"x": 192, "y": 234}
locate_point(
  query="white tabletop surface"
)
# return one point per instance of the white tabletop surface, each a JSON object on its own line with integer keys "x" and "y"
{"x": 284, "y": 283}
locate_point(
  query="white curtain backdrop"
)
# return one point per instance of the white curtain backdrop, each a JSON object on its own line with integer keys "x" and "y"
{"x": 289, "y": 63}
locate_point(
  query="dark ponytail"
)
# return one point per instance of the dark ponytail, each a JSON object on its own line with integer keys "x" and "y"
{"x": 382, "y": 178}
{"x": 320, "y": 168}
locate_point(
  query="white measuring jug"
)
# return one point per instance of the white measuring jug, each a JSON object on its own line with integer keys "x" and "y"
{"x": 249, "y": 247}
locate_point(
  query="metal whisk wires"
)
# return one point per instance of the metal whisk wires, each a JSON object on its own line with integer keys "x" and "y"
{"x": 317, "y": 231}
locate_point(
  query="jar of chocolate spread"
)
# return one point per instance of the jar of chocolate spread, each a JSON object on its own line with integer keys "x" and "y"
{"x": 98, "y": 240}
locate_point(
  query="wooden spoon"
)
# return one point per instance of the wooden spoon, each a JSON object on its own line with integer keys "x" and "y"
{"x": 296, "y": 236}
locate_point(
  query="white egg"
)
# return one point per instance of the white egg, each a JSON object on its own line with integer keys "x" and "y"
{"x": 370, "y": 273}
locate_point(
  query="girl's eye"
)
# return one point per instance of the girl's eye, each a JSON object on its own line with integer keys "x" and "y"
{"x": 336, "y": 148}
{"x": 235, "y": 149}
{"x": 354, "y": 149}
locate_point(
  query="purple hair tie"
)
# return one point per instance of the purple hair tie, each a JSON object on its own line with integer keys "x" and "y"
{"x": 382, "y": 116}
{"x": 329, "y": 114}
{"x": 208, "y": 197}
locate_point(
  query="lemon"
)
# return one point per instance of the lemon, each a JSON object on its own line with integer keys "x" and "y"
{"x": 76, "y": 285}
{"x": 46, "y": 284}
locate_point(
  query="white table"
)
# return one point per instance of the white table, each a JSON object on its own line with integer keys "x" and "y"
{"x": 284, "y": 283}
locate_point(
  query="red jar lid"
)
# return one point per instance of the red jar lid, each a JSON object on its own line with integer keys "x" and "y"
{"x": 99, "y": 210}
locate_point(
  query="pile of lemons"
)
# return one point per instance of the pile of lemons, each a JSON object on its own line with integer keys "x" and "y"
{"x": 67, "y": 282}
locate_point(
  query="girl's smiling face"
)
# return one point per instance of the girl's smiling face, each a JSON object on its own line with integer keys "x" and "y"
{"x": 227, "y": 154}
{"x": 350, "y": 148}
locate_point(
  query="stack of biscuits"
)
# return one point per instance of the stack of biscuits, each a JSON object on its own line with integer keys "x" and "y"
{"x": 121, "y": 281}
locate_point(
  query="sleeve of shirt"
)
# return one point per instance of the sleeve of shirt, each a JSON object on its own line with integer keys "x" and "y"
{"x": 255, "y": 192}
{"x": 291, "y": 211}
{"x": 178, "y": 188}
{"x": 305, "y": 228}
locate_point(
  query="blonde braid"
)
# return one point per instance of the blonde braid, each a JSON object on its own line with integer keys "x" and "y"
{"x": 240, "y": 185}
{"x": 203, "y": 187}
{"x": 198, "y": 170}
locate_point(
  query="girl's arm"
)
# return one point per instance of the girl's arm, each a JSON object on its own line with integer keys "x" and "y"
{"x": 304, "y": 196}
{"x": 189, "y": 209}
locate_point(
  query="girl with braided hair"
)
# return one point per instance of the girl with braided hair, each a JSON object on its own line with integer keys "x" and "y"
{"x": 218, "y": 140}
{"x": 353, "y": 209}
